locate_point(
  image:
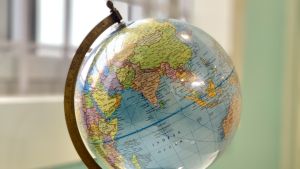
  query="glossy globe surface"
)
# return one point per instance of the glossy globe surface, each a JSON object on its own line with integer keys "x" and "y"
{"x": 157, "y": 94}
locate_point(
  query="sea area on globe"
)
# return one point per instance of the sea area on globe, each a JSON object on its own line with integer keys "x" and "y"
{"x": 157, "y": 94}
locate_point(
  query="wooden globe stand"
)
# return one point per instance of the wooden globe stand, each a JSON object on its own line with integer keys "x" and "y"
{"x": 70, "y": 85}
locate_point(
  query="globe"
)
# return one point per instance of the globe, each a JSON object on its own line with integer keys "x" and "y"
{"x": 157, "y": 94}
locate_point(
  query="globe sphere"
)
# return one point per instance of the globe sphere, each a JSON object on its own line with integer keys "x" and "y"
{"x": 157, "y": 94}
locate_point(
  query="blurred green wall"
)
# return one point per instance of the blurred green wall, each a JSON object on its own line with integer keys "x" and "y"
{"x": 257, "y": 143}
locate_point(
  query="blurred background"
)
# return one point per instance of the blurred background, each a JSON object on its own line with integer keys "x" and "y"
{"x": 39, "y": 37}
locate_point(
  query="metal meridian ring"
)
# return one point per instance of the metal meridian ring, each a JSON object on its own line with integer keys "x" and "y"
{"x": 70, "y": 85}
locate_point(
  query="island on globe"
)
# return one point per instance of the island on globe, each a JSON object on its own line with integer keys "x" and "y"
{"x": 157, "y": 94}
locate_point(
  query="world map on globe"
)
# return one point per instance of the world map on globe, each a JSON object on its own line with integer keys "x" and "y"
{"x": 157, "y": 94}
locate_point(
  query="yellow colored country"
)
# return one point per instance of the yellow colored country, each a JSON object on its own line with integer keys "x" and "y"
{"x": 109, "y": 128}
{"x": 197, "y": 100}
{"x": 211, "y": 89}
{"x": 108, "y": 104}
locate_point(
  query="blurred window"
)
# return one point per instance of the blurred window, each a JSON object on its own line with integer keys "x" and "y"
{"x": 84, "y": 16}
{"x": 47, "y": 32}
{"x": 66, "y": 22}
{"x": 50, "y": 22}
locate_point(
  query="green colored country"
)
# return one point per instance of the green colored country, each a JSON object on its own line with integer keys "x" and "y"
{"x": 88, "y": 100}
{"x": 169, "y": 49}
{"x": 126, "y": 76}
